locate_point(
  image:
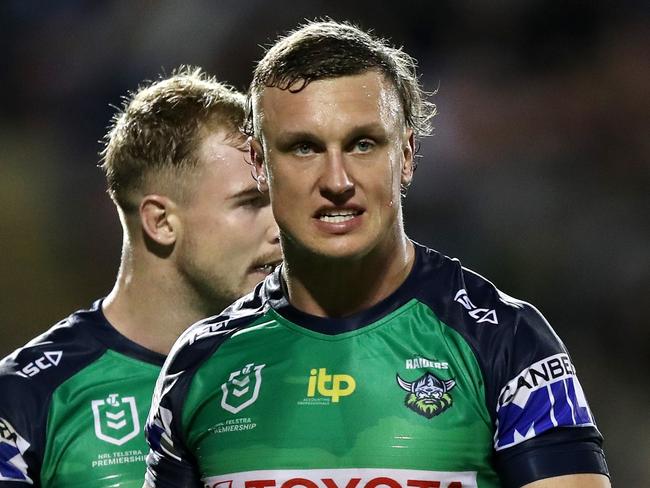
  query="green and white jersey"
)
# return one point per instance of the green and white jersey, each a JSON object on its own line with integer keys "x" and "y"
{"x": 447, "y": 383}
{"x": 73, "y": 408}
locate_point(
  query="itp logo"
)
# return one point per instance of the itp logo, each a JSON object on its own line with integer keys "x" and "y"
{"x": 341, "y": 384}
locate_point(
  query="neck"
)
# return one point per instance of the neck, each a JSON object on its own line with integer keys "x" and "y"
{"x": 150, "y": 305}
{"x": 335, "y": 287}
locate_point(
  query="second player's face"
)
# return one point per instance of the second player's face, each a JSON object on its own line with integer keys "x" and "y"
{"x": 229, "y": 239}
{"x": 336, "y": 153}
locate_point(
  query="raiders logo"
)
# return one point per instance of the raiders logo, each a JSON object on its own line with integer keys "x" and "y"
{"x": 428, "y": 395}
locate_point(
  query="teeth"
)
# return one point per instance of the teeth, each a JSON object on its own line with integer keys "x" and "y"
{"x": 337, "y": 216}
{"x": 335, "y": 219}
{"x": 266, "y": 268}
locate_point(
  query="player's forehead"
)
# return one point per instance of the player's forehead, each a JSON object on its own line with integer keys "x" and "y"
{"x": 363, "y": 99}
{"x": 222, "y": 170}
{"x": 214, "y": 134}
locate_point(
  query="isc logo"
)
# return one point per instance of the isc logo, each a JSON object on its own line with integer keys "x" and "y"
{"x": 47, "y": 360}
{"x": 481, "y": 315}
{"x": 330, "y": 385}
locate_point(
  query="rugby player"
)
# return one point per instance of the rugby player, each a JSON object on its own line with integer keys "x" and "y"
{"x": 197, "y": 235}
{"x": 367, "y": 360}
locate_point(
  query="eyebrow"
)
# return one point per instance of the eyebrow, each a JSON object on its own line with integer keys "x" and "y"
{"x": 372, "y": 129}
{"x": 288, "y": 138}
{"x": 246, "y": 193}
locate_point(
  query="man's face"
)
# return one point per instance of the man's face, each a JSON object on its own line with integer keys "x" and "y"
{"x": 335, "y": 155}
{"x": 229, "y": 238}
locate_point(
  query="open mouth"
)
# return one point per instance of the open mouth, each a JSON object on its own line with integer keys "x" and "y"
{"x": 266, "y": 266}
{"x": 337, "y": 216}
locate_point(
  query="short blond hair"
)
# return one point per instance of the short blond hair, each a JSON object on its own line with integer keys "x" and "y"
{"x": 157, "y": 130}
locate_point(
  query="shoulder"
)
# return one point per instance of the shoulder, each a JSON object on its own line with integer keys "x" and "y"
{"x": 473, "y": 305}
{"x": 31, "y": 374}
{"x": 509, "y": 336}
{"x": 532, "y": 392}
{"x": 201, "y": 339}
{"x": 193, "y": 348}
{"x": 50, "y": 358}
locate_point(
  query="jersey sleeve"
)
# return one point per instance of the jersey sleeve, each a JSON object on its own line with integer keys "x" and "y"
{"x": 22, "y": 425}
{"x": 15, "y": 455}
{"x": 169, "y": 463}
{"x": 543, "y": 424}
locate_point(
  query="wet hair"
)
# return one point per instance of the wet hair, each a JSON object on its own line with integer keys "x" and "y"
{"x": 329, "y": 49}
{"x": 156, "y": 132}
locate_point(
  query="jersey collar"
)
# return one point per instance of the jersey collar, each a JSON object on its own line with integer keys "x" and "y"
{"x": 407, "y": 291}
{"x": 111, "y": 338}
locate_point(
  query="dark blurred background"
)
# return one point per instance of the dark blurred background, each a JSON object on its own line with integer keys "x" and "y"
{"x": 538, "y": 175}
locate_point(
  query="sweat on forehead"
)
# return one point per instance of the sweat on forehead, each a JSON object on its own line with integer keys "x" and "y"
{"x": 367, "y": 98}
{"x": 322, "y": 50}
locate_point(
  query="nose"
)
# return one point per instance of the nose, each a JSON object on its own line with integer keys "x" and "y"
{"x": 335, "y": 182}
{"x": 274, "y": 234}
{"x": 272, "y": 230}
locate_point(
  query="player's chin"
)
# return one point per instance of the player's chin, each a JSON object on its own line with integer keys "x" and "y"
{"x": 342, "y": 247}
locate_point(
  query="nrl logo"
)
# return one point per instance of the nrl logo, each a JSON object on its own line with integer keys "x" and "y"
{"x": 428, "y": 395}
{"x": 116, "y": 420}
{"x": 242, "y": 388}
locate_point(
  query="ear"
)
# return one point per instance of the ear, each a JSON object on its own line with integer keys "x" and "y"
{"x": 408, "y": 153}
{"x": 259, "y": 168}
{"x": 158, "y": 219}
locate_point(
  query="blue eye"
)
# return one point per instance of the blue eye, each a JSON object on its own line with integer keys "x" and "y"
{"x": 364, "y": 145}
{"x": 303, "y": 149}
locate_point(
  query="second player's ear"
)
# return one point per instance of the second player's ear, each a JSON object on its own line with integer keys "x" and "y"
{"x": 257, "y": 157}
{"x": 408, "y": 162}
{"x": 158, "y": 219}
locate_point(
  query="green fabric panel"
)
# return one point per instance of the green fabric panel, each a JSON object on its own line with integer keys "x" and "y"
{"x": 357, "y": 415}
{"x": 95, "y": 425}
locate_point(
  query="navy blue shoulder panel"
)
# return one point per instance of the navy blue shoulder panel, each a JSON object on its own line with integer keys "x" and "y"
{"x": 168, "y": 458}
{"x": 32, "y": 373}
{"x": 112, "y": 339}
{"x": 28, "y": 377}
{"x": 201, "y": 339}
{"x": 532, "y": 391}
{"x": 506, "y": 334}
